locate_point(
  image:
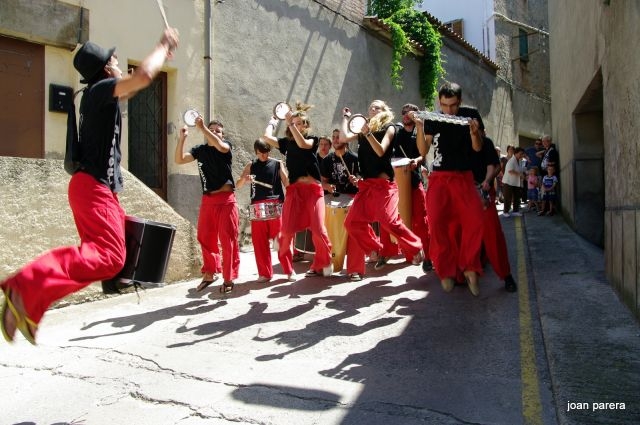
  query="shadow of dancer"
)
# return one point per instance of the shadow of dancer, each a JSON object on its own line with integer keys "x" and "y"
{"x": 316, "y": 332}
{"x": 140, "y": 321}
{"x": 255, "y": 315}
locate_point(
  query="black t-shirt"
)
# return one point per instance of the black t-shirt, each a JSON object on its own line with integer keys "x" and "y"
{"x": 334, "y": 170}
{"x": 300, "y": 162}
{"x": 100, "y": 133}
{"x": 372, "y": 165}
{"x": 266, "y": 172}
{"x": 214, "y": 166}
{"x": 480, "y": 160}
{"x": 405, "y": 146}
{"x": 451, "y": 144}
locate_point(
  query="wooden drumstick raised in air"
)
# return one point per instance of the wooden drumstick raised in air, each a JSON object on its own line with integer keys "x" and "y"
{"x": 164, "y": 15}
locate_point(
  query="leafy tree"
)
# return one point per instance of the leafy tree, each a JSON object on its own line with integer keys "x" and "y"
{"x": 407, "y": 23}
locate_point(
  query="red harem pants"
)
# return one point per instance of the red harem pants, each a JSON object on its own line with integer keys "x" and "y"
{"x": 99, "y": 219}
{"x": 495, "y": 245}
{"x": 376, "y": 200}
{"x": 419, "y": 225}
{"x": 304, "y": 208}
{"x": 455, "y": 223}
{"x": 218, "y": 223}
{"x": 261, "y": 232}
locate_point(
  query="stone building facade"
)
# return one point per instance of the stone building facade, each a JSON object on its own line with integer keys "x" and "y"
{"x": 595, "y": 88}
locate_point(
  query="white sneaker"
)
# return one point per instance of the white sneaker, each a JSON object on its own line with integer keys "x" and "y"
{"x": 292, "y": 277}
{"x": 516, "y": 214}
{"x": 506, "y": 215}
{"x": 327, "y": 271}
{"x": 263, "y": 279}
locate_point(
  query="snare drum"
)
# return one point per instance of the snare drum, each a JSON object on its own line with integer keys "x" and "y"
{"x": 336, "y": 208}
{"x": 264, "y": 211}
{"x": 402, "y": 173}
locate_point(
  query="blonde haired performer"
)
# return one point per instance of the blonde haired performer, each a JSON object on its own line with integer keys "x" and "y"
{"x": 304, "y": 201}
{"x": 377, "y": 197}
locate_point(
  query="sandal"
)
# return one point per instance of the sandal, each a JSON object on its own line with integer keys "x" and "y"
{"x": 311, "y": 273}
{"x": 205, "y": 283}
{"x": 226, "y": 287}
{"x": 25, "y": 325}
{"x": 3, "y": 313}
{"x": 355, "y": 277}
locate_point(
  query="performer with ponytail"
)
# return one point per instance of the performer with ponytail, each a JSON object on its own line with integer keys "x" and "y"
{"x": 304, "y": 201}
{"x": 377, "y": 197}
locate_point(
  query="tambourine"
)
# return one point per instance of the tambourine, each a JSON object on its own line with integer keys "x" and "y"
{"x": 356, "y": 122}
{"x": 281, "y": 109}
{"x": 189, "y": 117}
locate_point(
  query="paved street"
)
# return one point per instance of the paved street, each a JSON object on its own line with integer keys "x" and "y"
{"x": 391, "y": 349}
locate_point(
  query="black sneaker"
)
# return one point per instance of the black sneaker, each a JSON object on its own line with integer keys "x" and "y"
{"x": 510, "y": 284}
{"x": 427, "y": 265}
{"x": 382, "y": 261}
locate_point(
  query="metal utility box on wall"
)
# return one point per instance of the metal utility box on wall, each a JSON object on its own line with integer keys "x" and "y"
{"x": 59, "y": 98}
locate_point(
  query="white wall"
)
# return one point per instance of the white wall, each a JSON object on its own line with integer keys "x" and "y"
{"x": 476, "y": 15}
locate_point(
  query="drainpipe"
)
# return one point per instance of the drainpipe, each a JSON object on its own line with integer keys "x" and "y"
{"x": 208, "y": 80}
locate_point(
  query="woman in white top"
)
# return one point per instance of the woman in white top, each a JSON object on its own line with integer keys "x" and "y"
{"x": 512, "y": 183}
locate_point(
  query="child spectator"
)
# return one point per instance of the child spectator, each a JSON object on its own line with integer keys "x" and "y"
{"x": 549, "y": 184}
{"x": 533, "y": 182}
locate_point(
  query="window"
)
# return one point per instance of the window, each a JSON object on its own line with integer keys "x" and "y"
{"x": 524, "y": 45}
{"x": 456, "y": 26}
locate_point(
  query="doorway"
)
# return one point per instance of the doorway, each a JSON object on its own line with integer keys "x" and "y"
{"x": 21, "y": 98}
{"x": 147, "y": 112}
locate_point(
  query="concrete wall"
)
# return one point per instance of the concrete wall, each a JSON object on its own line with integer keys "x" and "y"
{"x": 265, "y": 52}
{"x": 595, "y": 110}
{"x": 527, "y": 82}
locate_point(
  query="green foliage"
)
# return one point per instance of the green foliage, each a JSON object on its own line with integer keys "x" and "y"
{"x": 407, "y": 23}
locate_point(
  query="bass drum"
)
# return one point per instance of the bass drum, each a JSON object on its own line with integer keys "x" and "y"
{"x": 148, "y": 245}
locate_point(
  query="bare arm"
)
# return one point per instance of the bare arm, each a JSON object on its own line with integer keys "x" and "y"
{"x": 284, "y": 174}
{"x": 380, "y": 147}
{"x": 268, "y": 136}
{"x": 491, "y": 171}
{"x": 143, "y": 75}
{"x": 245, "y": 177}
{"x": 476, "y": 135}
{"x": 212, "y": 139}
{"x": 180, "y": 156}
{"x": 297, "y": 136}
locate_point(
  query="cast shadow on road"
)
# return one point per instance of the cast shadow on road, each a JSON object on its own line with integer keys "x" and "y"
{"x": 286, "y": 397}
{"x": 348, "y": 306}
{"x": 137, "y": 322}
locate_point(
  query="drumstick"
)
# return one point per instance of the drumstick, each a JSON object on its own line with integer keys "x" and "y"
{"x": 403, "y": 152}
{"x": 164, "y": 15}
{"x": 263, "y": 184}
{"x": 345, "y": 165}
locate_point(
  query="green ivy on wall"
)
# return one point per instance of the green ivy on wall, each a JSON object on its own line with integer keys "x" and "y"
{"x": 408, "y": 23}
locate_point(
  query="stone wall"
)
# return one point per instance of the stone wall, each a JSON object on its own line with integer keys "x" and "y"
{"x": 595, "y": 112}
{"x": 35, "y": 217}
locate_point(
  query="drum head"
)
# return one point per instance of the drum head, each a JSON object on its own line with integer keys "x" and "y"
{"x": 190, "y": 116}
{"x": 280, "y": 110}
{"x": 340, "y": 201}
{"x": 356, "y": 122}
{"x": 400, "y": 162}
